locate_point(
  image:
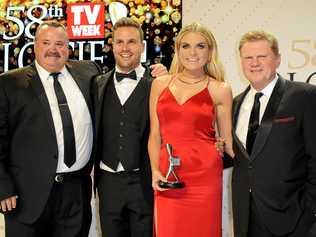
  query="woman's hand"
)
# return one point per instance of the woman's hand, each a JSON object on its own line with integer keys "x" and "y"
{"x": 156, "y": 177}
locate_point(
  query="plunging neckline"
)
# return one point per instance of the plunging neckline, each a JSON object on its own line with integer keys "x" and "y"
{"x": 187, "y": 100}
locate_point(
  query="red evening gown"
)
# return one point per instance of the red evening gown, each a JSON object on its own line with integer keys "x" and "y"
{"x": 195, "y": 210}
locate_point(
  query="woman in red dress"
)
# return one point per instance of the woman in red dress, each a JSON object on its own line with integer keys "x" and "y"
{"x": 185, "y": 108}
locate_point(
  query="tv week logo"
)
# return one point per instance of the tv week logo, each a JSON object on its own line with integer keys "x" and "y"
{"x": 85, "y": 20}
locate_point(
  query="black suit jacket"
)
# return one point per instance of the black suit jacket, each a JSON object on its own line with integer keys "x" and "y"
{"x": 281, "y": 171}
{"x": 28, "y": 146}
{"x": 100, "y": 84}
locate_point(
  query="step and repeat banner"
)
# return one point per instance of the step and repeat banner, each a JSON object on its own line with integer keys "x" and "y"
{"x": 89, "y": 25}
{"x": 291, "y": 21}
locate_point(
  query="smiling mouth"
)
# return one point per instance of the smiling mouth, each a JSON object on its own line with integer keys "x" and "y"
{"x": 125, "y": 53}
{"x": 52, "y": 56}
{"x": 192, "y": 60}
{"x": 256, "y": 71}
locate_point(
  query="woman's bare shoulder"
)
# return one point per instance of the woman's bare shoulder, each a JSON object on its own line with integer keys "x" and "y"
{"x": 163, "y": 79}
{"x": 160, "y": 83}
{"x": 219, "y": 90}
{"x": 219, "y": 86}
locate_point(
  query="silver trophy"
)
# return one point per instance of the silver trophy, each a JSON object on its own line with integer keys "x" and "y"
{"x": 173, "y": 161}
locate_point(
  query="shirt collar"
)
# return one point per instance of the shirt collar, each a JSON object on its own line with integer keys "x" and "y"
{"x": 44, "y": 73}
{"x": 140, "y": 70}
{"x": 267, "y": 91}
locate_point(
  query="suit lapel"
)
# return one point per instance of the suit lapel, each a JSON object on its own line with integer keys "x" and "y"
{"x": 236, "y": 108}
{"x": 101, "y": 83}
{"x": 147, "y": 80}
{"x": 267, "y": 119}
{"x": 36, "y": 84}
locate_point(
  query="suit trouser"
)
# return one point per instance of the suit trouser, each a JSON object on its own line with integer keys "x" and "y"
{"x": 67, "y": 212}
{"x": 124, "y": 212}
{"x": 257, "y": 228}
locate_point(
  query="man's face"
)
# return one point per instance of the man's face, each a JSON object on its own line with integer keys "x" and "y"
{"x": 51, "y": 48}
{"x": 259, "y": 63}
{"x": 127, "y": 48}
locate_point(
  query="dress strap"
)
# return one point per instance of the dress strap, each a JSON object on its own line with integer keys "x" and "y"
{"x": 208, "y": 81}
{"x": 171, "y": 79}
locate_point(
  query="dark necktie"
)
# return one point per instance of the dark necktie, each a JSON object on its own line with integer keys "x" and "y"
{"x": 253, "y": 123}
{"x": 68, "y": 129}
{"x": 120, "y": 76}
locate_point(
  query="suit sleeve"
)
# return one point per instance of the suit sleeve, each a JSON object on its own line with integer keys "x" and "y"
{"x": 98, "y": 69}
{"x": 6, "y": 181}
{"x": 310, "y": 149}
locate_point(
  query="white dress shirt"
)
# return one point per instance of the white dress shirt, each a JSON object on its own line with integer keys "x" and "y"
{"x": 246, "y": 106}
{"x": 80, "y": 117}
{"x": 124, "y": 89}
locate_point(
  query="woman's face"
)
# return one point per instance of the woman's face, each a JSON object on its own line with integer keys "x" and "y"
{"x": 193, "y": 51}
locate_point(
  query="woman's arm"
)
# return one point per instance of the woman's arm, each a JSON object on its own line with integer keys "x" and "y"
{"x": 154, "y": 141}
{"x": 223, "y": 99}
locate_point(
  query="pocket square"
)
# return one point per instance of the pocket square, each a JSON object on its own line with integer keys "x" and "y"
{"x": 284, "y": 119}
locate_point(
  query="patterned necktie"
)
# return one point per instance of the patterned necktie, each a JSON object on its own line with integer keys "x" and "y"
{"x": 68, "y": 129}
{"x": 120, "y": 76}
{"x": 253, "y": 123}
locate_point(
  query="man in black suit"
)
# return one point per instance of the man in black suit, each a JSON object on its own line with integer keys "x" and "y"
{"x": 274, "y": 177}
{"x": 46, "y": 139}
{"x": 123, "y": 174}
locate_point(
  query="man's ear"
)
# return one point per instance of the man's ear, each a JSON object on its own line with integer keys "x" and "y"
{"x": 279, "y": 59}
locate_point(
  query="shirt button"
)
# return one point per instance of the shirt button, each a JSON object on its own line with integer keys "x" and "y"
{"x": 122, "y": 111}
{"x": 122, "y": 123}
{"x": 250, "y": 167}
{"x": 121, "y": 135}
{"x": 121, "y": 147}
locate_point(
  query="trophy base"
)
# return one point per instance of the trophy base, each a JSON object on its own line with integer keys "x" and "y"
{"x": 169, "y": 184}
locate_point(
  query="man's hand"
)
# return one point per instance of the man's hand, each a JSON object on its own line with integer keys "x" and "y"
{"x": 8, "y": 204}
{"x": 158, "y": 70}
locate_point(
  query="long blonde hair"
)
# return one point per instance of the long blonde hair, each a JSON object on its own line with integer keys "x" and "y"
{"x": 213, "y": 67}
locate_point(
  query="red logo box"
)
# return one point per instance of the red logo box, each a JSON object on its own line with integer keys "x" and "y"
{"x": 85, "y": 20}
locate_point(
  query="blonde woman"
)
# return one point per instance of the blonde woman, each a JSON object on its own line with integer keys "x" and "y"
{"x": 185, "y": 108}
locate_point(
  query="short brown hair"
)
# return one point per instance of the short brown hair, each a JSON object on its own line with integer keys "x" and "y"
{"x": 50, "y": 23}
{"x": 258, "y": 35}
{"x": 128, "y": 22}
